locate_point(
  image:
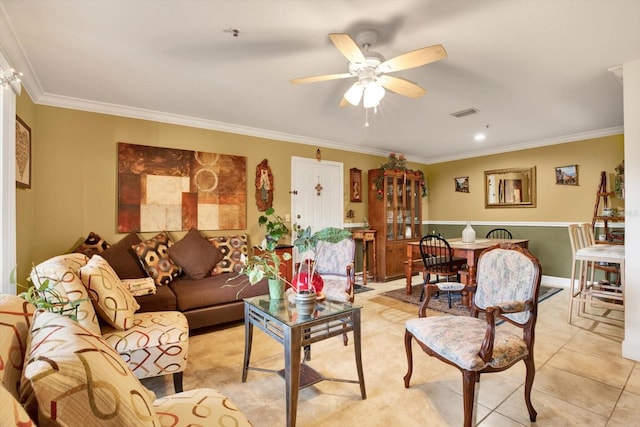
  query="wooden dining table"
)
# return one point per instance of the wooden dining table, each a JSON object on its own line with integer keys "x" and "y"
{"x": 469, "y": 251}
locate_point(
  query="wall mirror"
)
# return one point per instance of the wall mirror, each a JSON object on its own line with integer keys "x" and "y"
{"x": 510, "y": 188}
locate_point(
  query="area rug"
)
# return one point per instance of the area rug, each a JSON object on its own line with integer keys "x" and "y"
{"x": 440, "y": 303}
{"x": 360, "y": 288}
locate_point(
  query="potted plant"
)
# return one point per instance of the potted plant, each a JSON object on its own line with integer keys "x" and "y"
{"x": 265, "y": 263}
{"x": 275, "y": 228}
{"x": 306, "y": 283}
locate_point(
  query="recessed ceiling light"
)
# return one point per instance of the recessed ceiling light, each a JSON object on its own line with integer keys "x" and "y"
{"x": 479, "y": 136}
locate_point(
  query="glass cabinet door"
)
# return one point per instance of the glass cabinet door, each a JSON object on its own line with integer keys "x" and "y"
{"x": 389, "y": 206}
{"x": 417, "y": 209}
{"x": 400, "y": 208}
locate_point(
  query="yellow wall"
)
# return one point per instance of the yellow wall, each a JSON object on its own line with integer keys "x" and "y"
{"x": 555, "y": 203}
{"x": 74, "y": 187}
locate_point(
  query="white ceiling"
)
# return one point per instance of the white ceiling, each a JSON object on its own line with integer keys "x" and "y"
{"x": 538, "y": 71}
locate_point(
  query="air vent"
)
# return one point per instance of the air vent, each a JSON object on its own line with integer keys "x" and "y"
{"x": 467, "y": 112}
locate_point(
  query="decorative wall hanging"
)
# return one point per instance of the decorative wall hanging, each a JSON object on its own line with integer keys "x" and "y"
{"x": 567, "y": 175}
{"x": 355, "y": 184}
{"x": 23, "y": 154}
{"x": 462, "y": 184}
{"x": 264, "y": 186}
{"x": 170, "y": 189}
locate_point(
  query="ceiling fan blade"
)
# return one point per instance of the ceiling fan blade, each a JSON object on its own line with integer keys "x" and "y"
{"x": 413, "y": 59}
{"x": 321, "y": 78}
{"x": 401, "y": 86}
{"x": 344, "y": 102}
{"x": 348, "y": 47}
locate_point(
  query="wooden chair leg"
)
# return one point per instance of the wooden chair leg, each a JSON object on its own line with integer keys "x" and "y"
{"x": 469, "y": 379}
{"x": 531, "y": 372}
{"x": 407, "y": 347}
{"x": 177, "y": 381}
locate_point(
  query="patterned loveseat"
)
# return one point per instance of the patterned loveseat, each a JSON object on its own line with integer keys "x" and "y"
{"x": 152, "y": 344}
{"x": 55, "y": 371}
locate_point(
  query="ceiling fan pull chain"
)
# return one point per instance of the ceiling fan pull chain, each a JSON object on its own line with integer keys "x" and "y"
{"x": 366, "y": 117}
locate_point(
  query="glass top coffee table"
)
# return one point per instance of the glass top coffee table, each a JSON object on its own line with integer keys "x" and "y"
{"x": 279, "y": 319}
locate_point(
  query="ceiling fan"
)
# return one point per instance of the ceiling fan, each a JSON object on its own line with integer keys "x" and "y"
{"x": 371, "y": 68}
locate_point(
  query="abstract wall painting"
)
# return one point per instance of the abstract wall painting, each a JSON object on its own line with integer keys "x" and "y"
{"x": 166, "y": 189}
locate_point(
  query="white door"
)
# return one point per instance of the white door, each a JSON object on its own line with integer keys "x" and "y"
{"x": 317, "y": 194}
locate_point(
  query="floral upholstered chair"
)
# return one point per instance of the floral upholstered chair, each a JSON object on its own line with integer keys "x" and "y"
{"x": 508, "y": 282}
{"x": 334, "y": 263}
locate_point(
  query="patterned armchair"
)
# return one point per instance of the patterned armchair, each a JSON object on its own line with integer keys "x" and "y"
{"x": 508, "y": 282}
{"x": 152, "y": 344}
{"x": 334, "y": 263}
{"x": 71, "y": 376}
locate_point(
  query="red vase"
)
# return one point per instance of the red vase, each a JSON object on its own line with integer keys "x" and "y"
{"x": 301, "y": 282}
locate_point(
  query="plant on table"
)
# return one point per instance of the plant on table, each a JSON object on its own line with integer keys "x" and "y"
{"x": 275, "y": 229}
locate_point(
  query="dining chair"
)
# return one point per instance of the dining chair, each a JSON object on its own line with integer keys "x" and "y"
{"x": 499, "y": 233}
{"x": 588, "y": 290}
{"x": 438, "y": 260}
{"x": 608, "y": 268}
{"x": 507, "y": 287}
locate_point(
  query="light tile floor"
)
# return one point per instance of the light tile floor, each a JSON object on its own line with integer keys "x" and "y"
{"x": 581, "y": 377}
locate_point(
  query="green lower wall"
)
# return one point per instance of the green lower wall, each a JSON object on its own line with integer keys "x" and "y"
{"x": 549, "y": 244}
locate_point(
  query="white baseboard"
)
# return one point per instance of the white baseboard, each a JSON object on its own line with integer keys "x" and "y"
{"x": 559, "y": 282}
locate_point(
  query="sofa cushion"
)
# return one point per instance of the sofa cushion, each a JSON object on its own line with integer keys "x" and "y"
{"x": 157, "y": 344}
{"x": 123, "y": 259}
{"x": 195, "y": 255}
{"x": 163, "y": 299}
{"x": 79, "y": 379}
{"x": 154, "y": 257}
{"x": 214, "y": 290}
{"x": 93, "y": 244}
{"x": 111, "y": 299}
{"x": 200, "y": 407}
{"x": 16, "y": 316}
{"x": 231, "y": 248}
{"x": 13, "y": 414}
{"x": 62, "y": 273}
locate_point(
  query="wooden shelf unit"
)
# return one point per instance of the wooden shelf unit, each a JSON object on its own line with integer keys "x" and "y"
{"x": 395, "y": 212}
{"x": 602, "y": 201}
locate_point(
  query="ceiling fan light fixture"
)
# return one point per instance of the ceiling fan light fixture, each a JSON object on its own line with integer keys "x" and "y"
{"x": 354, "y": 94}
{"x": 373, "y": 94}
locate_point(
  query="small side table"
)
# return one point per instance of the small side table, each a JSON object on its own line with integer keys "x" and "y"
{"x": 366, "y": 236}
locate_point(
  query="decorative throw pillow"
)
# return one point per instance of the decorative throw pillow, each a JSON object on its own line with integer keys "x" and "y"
{"x": 93, "y": 244}
{"x": 62, "y": 273}
{"x": 123, "y": 259}
{"x": 195, "y": 255}
{"x": 231, "y": 248}
{"x": 154, "y": 257}
{"x": 79, "y": 379}
{"x": 112, "y": 300}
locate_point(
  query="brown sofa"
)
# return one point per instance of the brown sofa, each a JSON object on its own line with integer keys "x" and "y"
{"x": 205, "y": 302}
{"x": 197, "y": 283}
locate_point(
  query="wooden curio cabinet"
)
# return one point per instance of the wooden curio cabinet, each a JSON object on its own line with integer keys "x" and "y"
{"x": 395, "y": 212}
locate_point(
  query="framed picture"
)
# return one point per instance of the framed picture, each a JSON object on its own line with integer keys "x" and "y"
{"x": 23, "y": 154}
{"x": 567, "y": 175}
{"x": 355, "y": 185}
{"x": 462, "y": 184}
